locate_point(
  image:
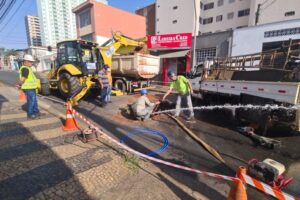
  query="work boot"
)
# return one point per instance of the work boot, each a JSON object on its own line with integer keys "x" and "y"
{"x": 39, "y": 114}
{"x": 31, "y": 117}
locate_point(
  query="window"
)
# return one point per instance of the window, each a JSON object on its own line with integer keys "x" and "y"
{"x": 282, "y": 32}
{"x": 220, "y": 2}
{"x": 291, "y": 13}
{"x": 230, "y": 15}
{"x": 85, "y": 18}
{"x": 208, "y": 20}
{"x": 201, "y": 5}
{"x": 231, "y": 1}
{"x": 219, "y": 18}
{"x": 175, "y": 7}
{"x": 208, "y": 6}
{"x": 243, "y": 13}
{"x": 203, "y": 54}
{"x": 174, "y": 22}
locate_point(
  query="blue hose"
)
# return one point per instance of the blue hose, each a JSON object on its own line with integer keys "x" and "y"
{"x": 148, "y": 131}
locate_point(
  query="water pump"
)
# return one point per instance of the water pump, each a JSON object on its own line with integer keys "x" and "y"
{"x": 268, "y": 171}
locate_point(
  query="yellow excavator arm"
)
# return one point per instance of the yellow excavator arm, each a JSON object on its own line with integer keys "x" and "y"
{"x": 119, "y": 44}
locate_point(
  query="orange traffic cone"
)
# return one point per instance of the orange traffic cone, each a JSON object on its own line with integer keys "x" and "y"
{"x": 22, "y": 96}
{"x": 238, "y": 189}
{"x": 70, "y": 123}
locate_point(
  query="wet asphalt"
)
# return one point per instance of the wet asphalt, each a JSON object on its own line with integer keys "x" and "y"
{"x": 171, "y": 143}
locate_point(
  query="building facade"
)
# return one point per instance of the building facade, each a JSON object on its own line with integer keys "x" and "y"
{"x": 264, "y": 37}
{"x": 210, "y": 16}
{"x": 33, "y": 31}
{"x": 96, "y": 22}
{"x": 57, "y": 20}
{"x": 149, "y": 13}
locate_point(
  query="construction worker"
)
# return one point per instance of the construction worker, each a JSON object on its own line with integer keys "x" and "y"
{"x": 104, "y": 84}
{"x": 143, "y": 108}
{"x": 28, "y": 83}
{"x": 184, "y": 89}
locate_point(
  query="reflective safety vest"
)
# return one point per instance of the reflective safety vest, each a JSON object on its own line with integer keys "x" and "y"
{"x": 31, "y": 81}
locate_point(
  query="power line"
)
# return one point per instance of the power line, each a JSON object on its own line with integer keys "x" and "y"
{"x": 14, "y": 14}
{"x": 6, "y": 11}
{"x": 2, "y": 4}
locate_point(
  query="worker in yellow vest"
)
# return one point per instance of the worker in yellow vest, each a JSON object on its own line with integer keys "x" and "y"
{"x": 28, "y": 83}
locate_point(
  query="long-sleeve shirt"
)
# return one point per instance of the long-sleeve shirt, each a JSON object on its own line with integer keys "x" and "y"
{"x": 141, "y": 103}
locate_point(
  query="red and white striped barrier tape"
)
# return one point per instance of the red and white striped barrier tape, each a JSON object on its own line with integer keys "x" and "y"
{"x": 266, "y": 188}
{"x": 219, "y": 176}
{"x": 245, "y": 178}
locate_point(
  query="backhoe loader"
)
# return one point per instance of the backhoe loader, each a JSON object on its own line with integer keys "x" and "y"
{"x": 78, "y": 63}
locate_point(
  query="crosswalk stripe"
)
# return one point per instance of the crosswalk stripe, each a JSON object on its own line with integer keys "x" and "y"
{"x": 13, "y": 116}
{"x": 28, "y": 123}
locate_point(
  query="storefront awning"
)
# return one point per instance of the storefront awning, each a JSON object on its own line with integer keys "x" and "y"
{"x": 177, "y": 54}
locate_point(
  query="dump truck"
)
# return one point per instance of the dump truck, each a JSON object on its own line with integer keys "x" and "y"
{"x": 131, "y": 73}
{"x": 75, "y": 71}
{"x": 271, "y": 77}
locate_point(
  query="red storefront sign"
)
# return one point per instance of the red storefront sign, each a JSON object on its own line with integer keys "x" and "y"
{"x": 179, "y": 40}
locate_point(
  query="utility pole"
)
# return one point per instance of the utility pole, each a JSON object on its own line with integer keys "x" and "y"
{"x": 257, "y": 13}
{"x": 194, "y": 58}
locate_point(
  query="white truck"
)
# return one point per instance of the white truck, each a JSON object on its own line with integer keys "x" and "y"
{"x": 133, "y": 72}
{"x": 271, "y": 77}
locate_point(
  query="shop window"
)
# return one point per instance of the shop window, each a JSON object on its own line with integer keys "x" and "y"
{"x": 207, "y": 53}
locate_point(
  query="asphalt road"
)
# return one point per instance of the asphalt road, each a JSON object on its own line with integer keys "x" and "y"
{"x": 216, "y": 128}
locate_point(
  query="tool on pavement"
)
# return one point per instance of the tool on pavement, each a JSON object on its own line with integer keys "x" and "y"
{"x": 88, "y": 135}
{"x": 269, "y": 171}
{"x": 263, "y": 141}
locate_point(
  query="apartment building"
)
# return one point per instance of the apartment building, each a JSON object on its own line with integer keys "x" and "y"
{"x": 209, "y": 16}
{"x": 96, "y": 22}
{"x": 33, "y": 31}
{"x": 57, "y": 20}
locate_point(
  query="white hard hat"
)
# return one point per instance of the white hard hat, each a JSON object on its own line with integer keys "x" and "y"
{"x": 28, "y": 58}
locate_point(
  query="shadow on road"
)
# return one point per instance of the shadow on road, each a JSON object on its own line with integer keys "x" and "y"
{"x": 29, "y": 166}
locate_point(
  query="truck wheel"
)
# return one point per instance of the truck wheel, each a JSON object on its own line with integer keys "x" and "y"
{"x": 68, "y": 85}
{"x": 45, "y": 90}
{"x": 120, "y": 85}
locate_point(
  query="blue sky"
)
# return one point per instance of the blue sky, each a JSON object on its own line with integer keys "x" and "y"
{"x": 12, "y": 28}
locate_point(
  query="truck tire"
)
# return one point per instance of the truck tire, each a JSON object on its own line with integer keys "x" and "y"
{"x": 68, "y": 85}
{"x": 45, "y": 90}
{"x": 120, "y": 85}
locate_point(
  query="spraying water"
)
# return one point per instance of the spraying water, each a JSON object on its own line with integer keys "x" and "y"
{"x": 233, "y": 107}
